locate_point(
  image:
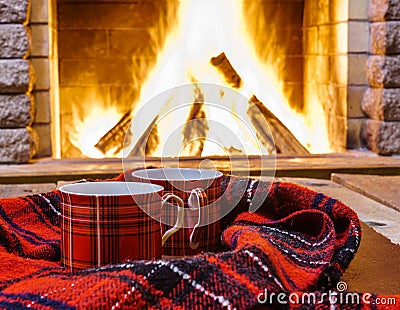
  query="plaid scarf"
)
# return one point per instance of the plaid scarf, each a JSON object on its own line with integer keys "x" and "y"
{"x": 289, "y": 254}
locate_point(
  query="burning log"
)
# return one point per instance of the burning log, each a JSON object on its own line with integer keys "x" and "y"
{"x": 223, "y": 65}
{"x": 196, "y": 127}
{"x": 148, "y": 141}
{"x": 285, "y": 141}
{"x": 194, "y": 133}
{"x": 112, "y": 142}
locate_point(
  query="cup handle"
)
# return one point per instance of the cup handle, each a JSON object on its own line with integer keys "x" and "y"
{"x": 197, "y": 200}
{"x": 179, "y": 221}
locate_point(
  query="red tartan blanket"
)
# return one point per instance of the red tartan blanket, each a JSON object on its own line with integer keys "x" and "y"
{"x": 289, "y": 254}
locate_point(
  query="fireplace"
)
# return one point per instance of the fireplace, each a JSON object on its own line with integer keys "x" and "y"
{"x": 339, "y": 57}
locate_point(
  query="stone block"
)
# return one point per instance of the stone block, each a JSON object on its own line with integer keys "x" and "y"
{"x": 39, "y": 11}
{"x": 357, "y": 75}
{"x": 85, "y": 43}
{"x": 354, "y": 133}
{"x": 42, "y": 105}
{"x": 337, "y": 39}
{"x": 382, "y": 104}
{"x": 16, "y": 111}
{"x": 106, "y": 16}
{"x": 40, "y": 40}
{"x": 16, "y": 76}
{"x": 326, "y": 45}
{"x": 337, "y": 70}
{"x": 383, "y": 71}
{"x": 338, "y": 10}
{"x": 358, "y": 32}
{"x": 324, "y": 14}
{"x": 354, "y": 98}
{"x": 132, "y": 42}
{"x": 44, "y": 137}
{"x": 88, "y": 72}
{"x": 310, "y": 19}
{"x": 42, "y": 73}
{"x": 337, "y": 128}
{"x": 310, "y": 41}
{"x": 385, "y": 38}
{"x": 335, "y": 99}
{"x": 381, "y": 10}
{"x": 358, "y": 9}
{"x": 15, "y": 11}
{"x": 14, "y": 41}
{"x": 320, "y": 76}
{"x": 17, "y": 145}
{"x": 382, "y": 137}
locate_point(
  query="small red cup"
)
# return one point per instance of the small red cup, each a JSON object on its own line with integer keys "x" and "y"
{"x": 200, "y": 191}
{"x": 112, "y": 222}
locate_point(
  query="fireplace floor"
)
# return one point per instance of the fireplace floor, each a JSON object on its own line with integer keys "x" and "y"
{"x": 311, "y": 166}
{"x": 375, "y": 268}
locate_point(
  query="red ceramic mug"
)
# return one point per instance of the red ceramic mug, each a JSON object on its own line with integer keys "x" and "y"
{"x": 112, "y": 222}
{"x": 200, "y": 189}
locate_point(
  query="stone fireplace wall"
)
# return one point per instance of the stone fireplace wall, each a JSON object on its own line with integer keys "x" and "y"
{"x": 381, "y": 102}
{"x": 335, "y": 51}
{"x": 18, "y": 141}
{"x": 363, "y": 96}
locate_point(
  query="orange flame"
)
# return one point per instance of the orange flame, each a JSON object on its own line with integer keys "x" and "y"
{"x": 205, "y": 29}
{"x": 87, "y": 130}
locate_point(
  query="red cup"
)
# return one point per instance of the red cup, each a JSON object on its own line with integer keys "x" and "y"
{"x": 112, "y": 222}
{"x": 200, "y": 191}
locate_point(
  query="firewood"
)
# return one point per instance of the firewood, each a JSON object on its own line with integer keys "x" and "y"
{"x": 196, "y": 127}
{"x": 113, "y": 141}
{"x": 148, "y": 141}
{"x": 221, "y": 62}
{"x": 285, "y": 141}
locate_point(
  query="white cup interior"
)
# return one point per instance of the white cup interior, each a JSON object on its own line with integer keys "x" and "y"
{"x": 177, "y": 174}
{"x": 110, "y": 188}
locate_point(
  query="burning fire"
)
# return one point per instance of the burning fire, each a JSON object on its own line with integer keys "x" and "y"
{"x": 89, "y": 129}
{"x": 206, "y": 29}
